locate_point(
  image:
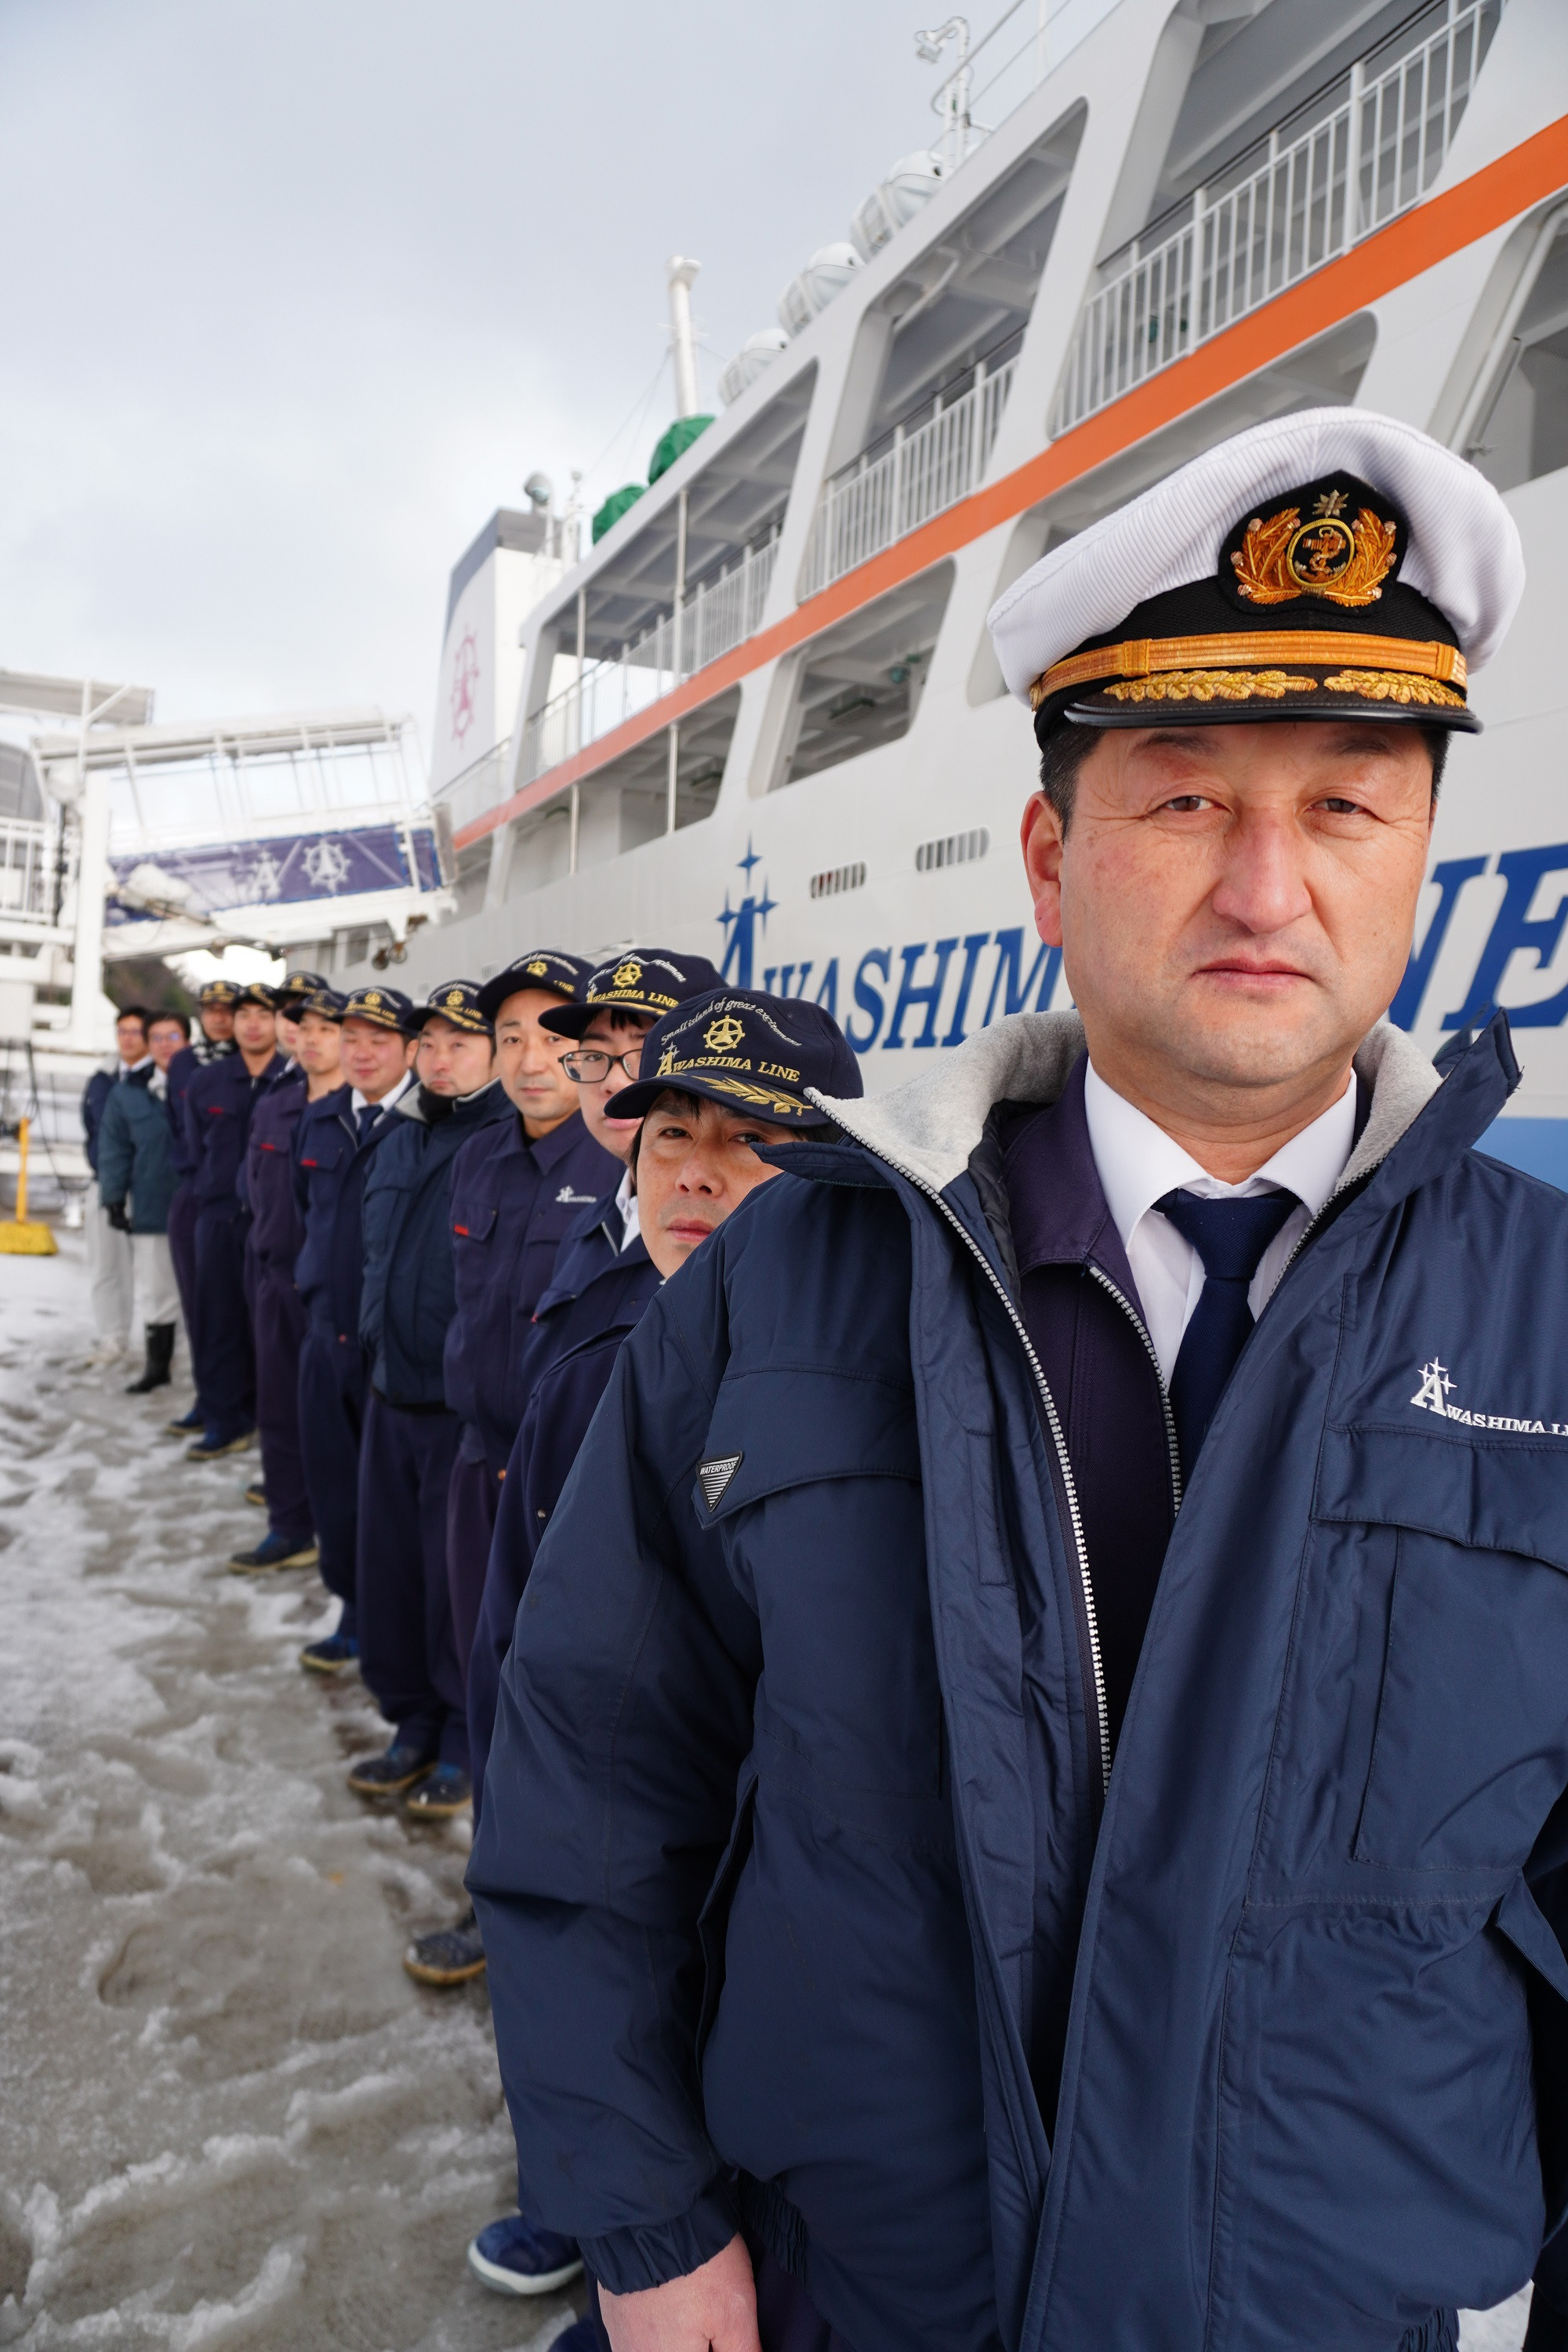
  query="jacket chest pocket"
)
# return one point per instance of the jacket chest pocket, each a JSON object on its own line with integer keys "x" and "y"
{"x": 1469, "y": 1735}
{"x": 814, "y": 1478}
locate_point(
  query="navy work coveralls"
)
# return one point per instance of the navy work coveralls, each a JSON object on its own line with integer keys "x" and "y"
{"x": 514, "y": 1202}
{"x": 218, "y": 1104}
{"x": 332, "y": 1159}
{"x": 182, "y": 1227}
{"x": 278, "y": 1312}
{"x": 596, "y": 1295}
{"x": 407, "y": 1653}
{"x": 805, "y": 1892}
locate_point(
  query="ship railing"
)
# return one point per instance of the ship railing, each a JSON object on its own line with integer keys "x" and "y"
{"x": 1301, "y": 197}
{"x": 717, "y": 614}
{"x": 477, "y": 788}
{"x": 28, "y": 859}
{"x": 894, "y": 487}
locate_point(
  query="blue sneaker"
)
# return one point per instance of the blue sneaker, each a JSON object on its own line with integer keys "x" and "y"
{"x": 189, "y": 1424}
{"x": 390, "y": 1774}
{"x": 448, "y": 1790}
{"x": 581, "y": 2337}
{"x": 274, "y": 1552}
{"x": 210, "y": 1447}
{"x": 331, "y": 1656}
{"x": 516, "y": 2258}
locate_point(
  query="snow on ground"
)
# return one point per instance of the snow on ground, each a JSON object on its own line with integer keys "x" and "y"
{"x": 228, "y": 2117}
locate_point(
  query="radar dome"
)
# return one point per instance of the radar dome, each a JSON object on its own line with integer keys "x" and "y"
{"x": 827, "y": 274}
{"x": 757, "y": 352}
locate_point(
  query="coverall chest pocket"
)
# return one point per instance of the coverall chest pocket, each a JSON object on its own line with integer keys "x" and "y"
{"x": 473, "y": 1225}
{"x": 1470, "y": 1746}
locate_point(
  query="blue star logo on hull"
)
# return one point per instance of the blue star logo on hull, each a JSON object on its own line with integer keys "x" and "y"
{"x": 740, "y": 924}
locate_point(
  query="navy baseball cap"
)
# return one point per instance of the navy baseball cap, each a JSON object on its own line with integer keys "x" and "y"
{"x": 383, "y": 1008}
{"x": 325, "y": 1001}
{"x": 747, "y": 1052}
{"x": 256, "y": 992}
{"x": 218, "y": 992}
{"x": 651, "y": 981}
{"x": 564, "y": 975}
{"x": 289, "y": 994}
{"x": 455, "y": 1002}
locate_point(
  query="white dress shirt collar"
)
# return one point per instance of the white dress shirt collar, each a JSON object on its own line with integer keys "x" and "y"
{"x": 1138, "y": 1163}
{"x": 358, "y": 1102}
{"x": 626, "y": 1202}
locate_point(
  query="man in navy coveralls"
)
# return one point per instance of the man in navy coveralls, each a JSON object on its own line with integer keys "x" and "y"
{"x": 333, "y": 1145}
{"x": 218, "y": 1108}
{"x": 1027, "y": 1810}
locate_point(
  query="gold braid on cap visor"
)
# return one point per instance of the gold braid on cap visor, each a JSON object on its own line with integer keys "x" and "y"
{"x": 1139, "y": 657}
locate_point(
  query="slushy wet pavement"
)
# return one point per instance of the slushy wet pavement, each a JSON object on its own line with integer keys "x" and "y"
{"x": 228, "y": 2116}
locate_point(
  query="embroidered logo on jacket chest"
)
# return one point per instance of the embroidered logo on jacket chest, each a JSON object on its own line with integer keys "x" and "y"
{"x": 1436, "y": 1388}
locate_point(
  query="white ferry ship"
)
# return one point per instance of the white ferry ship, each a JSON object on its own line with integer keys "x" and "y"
{"x": 761, "y": 716}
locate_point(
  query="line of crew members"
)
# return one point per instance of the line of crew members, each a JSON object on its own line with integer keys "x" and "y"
{"x": 409, "y": 1244}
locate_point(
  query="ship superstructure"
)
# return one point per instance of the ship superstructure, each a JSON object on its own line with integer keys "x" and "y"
{"x": 761, "y": 716}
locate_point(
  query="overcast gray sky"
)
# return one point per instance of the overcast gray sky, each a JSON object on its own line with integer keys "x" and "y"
{"x": 295, "y": 295}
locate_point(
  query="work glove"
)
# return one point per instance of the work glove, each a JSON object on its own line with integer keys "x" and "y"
{"x": 119, "y": 1215}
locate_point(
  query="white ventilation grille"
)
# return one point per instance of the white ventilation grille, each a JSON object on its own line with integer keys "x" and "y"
{"x": 840, "y": 878}
{"x": 957, "y": 849}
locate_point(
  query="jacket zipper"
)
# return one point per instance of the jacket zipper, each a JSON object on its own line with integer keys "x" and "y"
{"x": 1102, "y": 1715}
{"x": 1141, "y": 1327}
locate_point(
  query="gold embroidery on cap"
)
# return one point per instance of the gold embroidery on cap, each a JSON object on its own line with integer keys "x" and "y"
{"x": 1211, "y": 686}
{"x": 625, "y": 975}
{"x": 721, "y": 1036}
{"x": 1389, "y": 685}
{"x": 537, "y": 965}
{"x": 1285, "y": 558}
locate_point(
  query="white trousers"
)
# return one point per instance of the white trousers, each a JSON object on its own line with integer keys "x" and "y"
{"x": 109, "y": 1261}
{"x": 157, "y": 1296}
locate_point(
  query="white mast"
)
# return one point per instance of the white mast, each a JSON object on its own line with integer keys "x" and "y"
{"x": 682, "y": 341}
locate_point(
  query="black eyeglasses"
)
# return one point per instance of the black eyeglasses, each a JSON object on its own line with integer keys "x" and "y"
{"x": 590, "y": 1065}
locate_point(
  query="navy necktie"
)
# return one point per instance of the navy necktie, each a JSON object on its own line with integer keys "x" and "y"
{"x": 1230, "y": 1236}
{"x": 368, "y": 1116}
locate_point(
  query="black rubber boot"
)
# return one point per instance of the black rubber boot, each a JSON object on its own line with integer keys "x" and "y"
{"x": 160, "y": 1356}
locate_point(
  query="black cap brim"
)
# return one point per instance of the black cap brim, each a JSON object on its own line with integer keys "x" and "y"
{"x": 743, "y": 1095}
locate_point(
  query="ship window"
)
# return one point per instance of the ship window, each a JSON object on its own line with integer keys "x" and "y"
{"x": 953, "y": 849}
{"x": 858, "y": 686}
{"x": 836, "y": 880}
{"x": 1520, "y": 430}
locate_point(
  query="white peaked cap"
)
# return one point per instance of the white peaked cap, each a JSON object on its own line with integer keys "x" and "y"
{"x": 1464, "y": 553}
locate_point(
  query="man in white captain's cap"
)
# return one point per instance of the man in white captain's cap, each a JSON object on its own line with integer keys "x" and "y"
{"x": 1046, "y": 1730}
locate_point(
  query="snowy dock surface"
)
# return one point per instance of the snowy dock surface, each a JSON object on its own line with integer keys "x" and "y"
{"x": 227, "y": 2116}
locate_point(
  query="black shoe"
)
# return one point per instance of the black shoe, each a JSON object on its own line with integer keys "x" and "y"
{"x": 188, "y": 1424}
{"x": 389, "y": 1775}
{"x": 160, "y": 1356}
{"x": 451, "y": 1956}
{"x": 447, "y": 1790}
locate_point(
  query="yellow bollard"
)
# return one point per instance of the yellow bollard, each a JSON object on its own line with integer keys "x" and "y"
{"x": 17, "y": 1237}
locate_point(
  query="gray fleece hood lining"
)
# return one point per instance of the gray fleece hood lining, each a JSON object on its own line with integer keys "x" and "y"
{"x": 929, "y": 1126}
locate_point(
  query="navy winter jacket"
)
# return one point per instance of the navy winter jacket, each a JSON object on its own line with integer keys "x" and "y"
{"x": 135, "y": 1152}
{"x": 94, "y": 1096}
{"x": 268, "y": 1182}
{"x": 408, "y": 1299}
{"x": 219, "y": 1100}
{"x": 798, "y": 1757}
{"x": 512, "y": 1204}
{"x": 597, "y": 1295}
